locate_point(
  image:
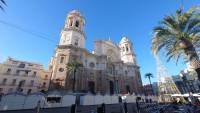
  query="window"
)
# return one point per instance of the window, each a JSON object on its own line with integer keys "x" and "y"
{"x": 14, "y": 82}
{"x": 77, "y": 24}
{"x": 71, "y": 23}
{"x": 126, "y": 72}
{"x": 26, "y": 73}
{"x": 61, "y": 69}
{"x": 21, "y": 66}
{"x": 29, "y": 91}
{"x": 4, "y": 81}
{"x": 34, "y": 73}
{"x": 17, "y": 72}
{"x": 127, "y": 48}
{"x": 9, "y": 70}
{"x": 44, "y": 84}
{"x": 21, "y": 83}
{"x": 76, "y": 42}
{"x": 32, "y": 83}
{"x": 61, "y": 59}
{"x": 123, "y": 49}
{"x": 109, "y": 58}
{"x": 46, "y": 76}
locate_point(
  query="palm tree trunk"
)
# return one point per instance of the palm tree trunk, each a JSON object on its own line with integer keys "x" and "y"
{"x": 151, "y": 84}
{"x": 191, "y": 53}
{"x": 74, "y": 81}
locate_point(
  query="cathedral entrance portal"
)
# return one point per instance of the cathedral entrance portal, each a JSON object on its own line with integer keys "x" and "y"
{"x": 91, "y": 87}
{"x": 111, "y": 87}
{"x": 127, "y": 88}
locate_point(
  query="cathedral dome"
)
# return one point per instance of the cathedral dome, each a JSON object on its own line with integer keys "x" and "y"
{"x": 124, "y": 39}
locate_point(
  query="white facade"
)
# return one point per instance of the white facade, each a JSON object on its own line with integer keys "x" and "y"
{"x": 21, "y": 76}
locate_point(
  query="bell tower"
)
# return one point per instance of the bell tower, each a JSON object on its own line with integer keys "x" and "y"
{"x": 127, "y": 54}
{"x": 73, "y": 34}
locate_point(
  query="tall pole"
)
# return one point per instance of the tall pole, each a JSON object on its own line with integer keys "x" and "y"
{"x": 74, "y": 80}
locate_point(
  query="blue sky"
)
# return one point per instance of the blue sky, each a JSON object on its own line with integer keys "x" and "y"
{"x": 104, "y": 18}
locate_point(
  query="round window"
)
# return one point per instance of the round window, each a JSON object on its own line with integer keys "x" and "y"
{"x": 61, "y": 69}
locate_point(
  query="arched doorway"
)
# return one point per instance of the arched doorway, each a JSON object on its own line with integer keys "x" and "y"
{"x": 111, "y": 87}
{"x": 127, "y": 89}
{"x": 91, "y": 87}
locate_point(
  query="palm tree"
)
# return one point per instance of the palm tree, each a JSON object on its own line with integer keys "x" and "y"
{"x": 2, "y": 3}
{"x": 149, "y": 76}
{"x": 178, "y": 35}
{"x": 73, "y": 66}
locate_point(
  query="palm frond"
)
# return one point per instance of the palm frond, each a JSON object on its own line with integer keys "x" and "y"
{"x": 173, "y": 29}
{"x": 148, "y": 75}
{"x": 2, "y": 2}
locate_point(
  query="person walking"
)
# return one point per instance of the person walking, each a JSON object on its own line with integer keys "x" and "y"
{"x": 137, "y": 105}
{"x": 38, "y": 107}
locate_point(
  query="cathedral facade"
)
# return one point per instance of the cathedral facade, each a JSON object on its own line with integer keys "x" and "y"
{"x": 109, "y": 69}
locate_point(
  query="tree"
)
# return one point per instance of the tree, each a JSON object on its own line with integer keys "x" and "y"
{"x": 2, "y": 3}
{"x": 149, "y": 76}
{"x": 178, "y": 35}
{"x": 73, "y": 66}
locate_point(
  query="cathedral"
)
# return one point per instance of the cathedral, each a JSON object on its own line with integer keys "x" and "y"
{"x": 110, "y": 69}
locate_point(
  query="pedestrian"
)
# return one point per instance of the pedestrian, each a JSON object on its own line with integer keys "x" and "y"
{"x": 125, "y": 107}
{"x": 138, "y": 106}
{"x": 103, "y": 108}
{"x": 161, "y": 110}
{"x": 38, "y": 107}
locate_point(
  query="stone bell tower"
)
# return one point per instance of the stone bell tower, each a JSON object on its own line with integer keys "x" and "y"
{"x": 72, "y": 37}
{"x": 127, "y": 54}
{"x": 73, "y": 34}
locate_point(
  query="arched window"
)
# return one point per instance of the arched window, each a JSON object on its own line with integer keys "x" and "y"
{"x": 109, "y": 58}
{"x": 61, "y": 59}
{"x": 76, "y": 42}
{"x": 123, "y": 49}
{"x": 71, "y": 23}
{"x": 77, "y": 24}
{"x": 127, "y": 49}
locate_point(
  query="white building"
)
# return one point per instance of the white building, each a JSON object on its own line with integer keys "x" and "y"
{"x": 22, "y": 76}
{"x": 111, "y": 68}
